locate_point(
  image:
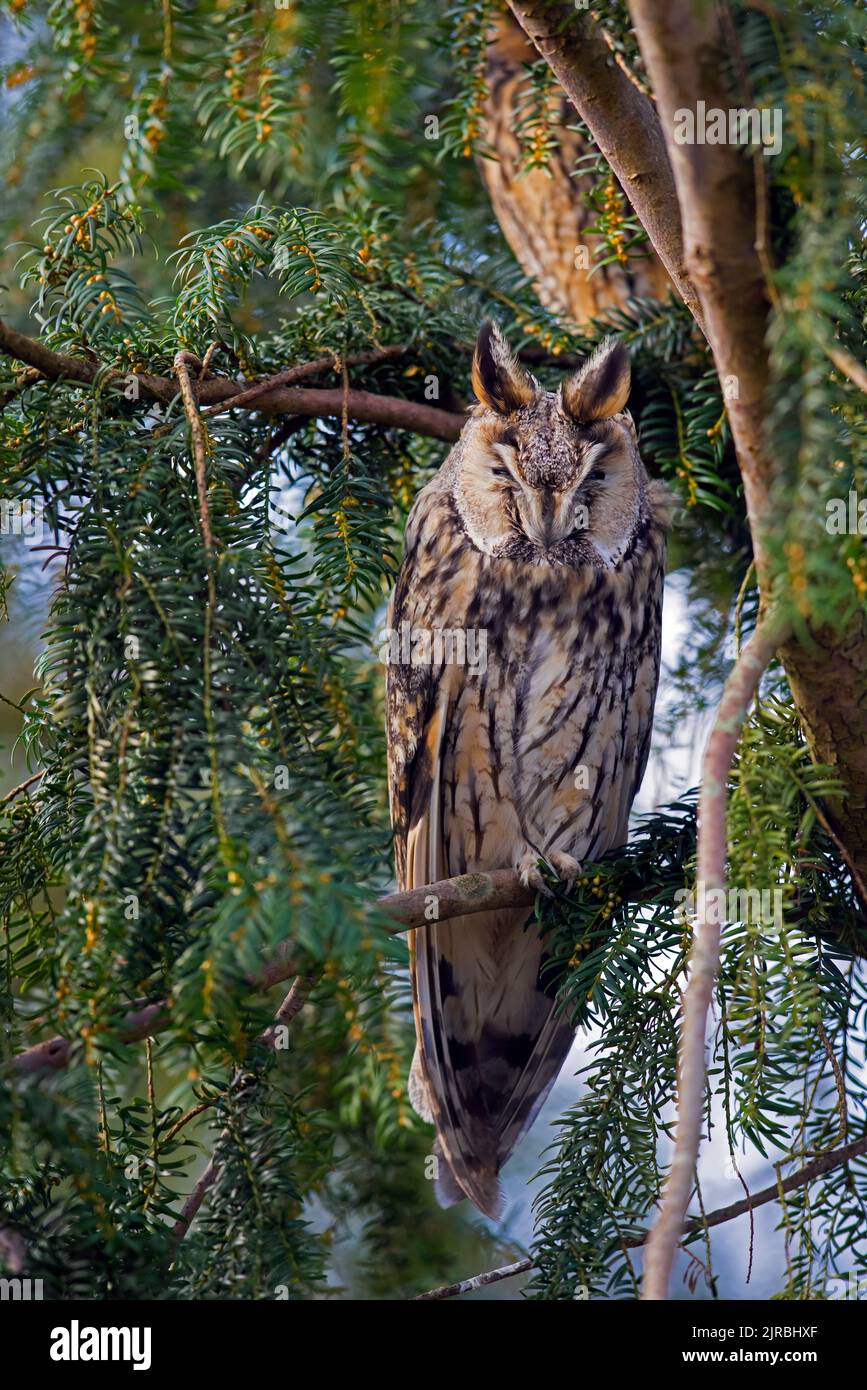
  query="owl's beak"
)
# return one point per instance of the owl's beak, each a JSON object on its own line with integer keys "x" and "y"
{"x": 546, "y": 518}
{"x": 547, "y": 522}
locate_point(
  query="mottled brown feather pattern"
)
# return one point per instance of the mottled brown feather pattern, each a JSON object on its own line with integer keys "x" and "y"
{"x": 483, "y": 764}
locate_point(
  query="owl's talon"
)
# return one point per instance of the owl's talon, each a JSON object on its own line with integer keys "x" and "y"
{"x": 566, "y": 865}
{"x": 531, "y": 875}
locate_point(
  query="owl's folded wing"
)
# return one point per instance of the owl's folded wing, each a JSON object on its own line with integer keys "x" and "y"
{"x": 411, "y": 698}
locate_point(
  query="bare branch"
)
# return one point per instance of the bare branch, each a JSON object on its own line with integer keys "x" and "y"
{"x": 304, "y": 371}
{"x": 289, "y": 1009}
{"x": 364, "y": 406}
{"x": 56, "y": 366}
{"x": 197, "y": 435}
{"x": 195, "y": 1198}
{"x": 478, "y": 1281}
{"x": 22, "y": 786}
{"x": 822, "y": 1163}
{"x": 56, "y": 1053}
{"x": 454, "y": 897}
{"x": 188, "y": 1116}
{"x": 448, "y": 898}
{"x": 703, "y": 965}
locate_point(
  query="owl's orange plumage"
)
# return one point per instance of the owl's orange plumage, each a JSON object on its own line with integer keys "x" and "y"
{"x": 543, "y": 532}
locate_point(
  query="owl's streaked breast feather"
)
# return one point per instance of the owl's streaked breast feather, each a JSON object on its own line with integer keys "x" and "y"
{"x": 482, "y": 776}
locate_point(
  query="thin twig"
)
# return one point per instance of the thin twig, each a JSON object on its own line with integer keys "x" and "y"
{"x": 195, "y": 1199}
{"x": 840, "y": 1084}
{"x": 290, "y": 375}
{"x": 703, "y": 962}
{"x": 22, "y": 786}
{"x": 190, "y": 1115}
{"x": 823, "y": 1163}
{"x": 478, "y": 1281}
{"x": 291, "y": 1006}
{"x": 278, "y": 437}
{"x": 197, "y": 435}
{"x": 207, "y": 360}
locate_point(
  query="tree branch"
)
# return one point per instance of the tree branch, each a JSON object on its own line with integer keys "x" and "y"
{"x": 477, "y": 1281}
{"x": 195, "y": 1197}
{"x": 364, "y": 406}
{"x": 623, "y": 122}
{"x": 452, "y": 897}
{"x": 289, "y": 1009}
{"x": 22, "y": 786}
{"x": 57, "y": 366}
{"x": 197, "y": 436}
{"x": 304, "y": 371}
{"x": 738, "y": 694}
{"x": 441, "y": 901}
{"x": 822, "y": 1163}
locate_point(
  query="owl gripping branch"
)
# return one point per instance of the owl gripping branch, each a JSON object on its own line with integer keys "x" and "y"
{"x": 542, "y": 529}
{"x": 462, "y": 896}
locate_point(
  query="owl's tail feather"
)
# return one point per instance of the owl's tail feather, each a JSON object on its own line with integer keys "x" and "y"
{"x": 487, "y": 1188}
{"x": 490, "y": 1046}
{"x": 447, "y": 1189}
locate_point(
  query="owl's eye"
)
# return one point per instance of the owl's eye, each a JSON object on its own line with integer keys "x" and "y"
{"x": 597, "y": 476}
{"x": 501, "y": 472}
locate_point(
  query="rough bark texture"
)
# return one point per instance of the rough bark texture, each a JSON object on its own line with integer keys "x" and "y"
{"x": 623, "y": 121}
{"x": 829, "y": 683}
{"x": 544, "y": 213}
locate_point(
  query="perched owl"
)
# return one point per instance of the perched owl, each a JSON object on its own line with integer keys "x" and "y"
{"x": 541, "y": 541}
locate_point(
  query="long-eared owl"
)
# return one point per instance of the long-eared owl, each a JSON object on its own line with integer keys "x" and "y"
{"x": 520, "y": 699}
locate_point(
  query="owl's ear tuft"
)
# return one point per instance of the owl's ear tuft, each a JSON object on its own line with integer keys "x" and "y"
{"x": 601, "y": 387}
{"x": 499, "y": 380}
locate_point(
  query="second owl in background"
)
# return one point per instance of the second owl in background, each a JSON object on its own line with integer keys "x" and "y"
{"x": 543, "y": 531}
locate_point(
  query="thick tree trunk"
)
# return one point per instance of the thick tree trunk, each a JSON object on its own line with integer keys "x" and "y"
{"x": 829, "y": 683}
{"x": 716, "y": 189}
{"x": 623, "y": 121}
{"x": 544, "y": 213}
